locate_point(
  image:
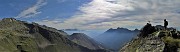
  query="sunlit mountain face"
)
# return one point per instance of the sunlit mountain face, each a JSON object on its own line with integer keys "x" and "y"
{"x": 92, "y": 17}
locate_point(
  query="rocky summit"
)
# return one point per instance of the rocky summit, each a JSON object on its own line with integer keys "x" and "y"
{"x": 20, "y": 36}
{"x": 154, "y": 39}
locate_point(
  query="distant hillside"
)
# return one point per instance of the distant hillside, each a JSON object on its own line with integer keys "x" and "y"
{"x": 20, "y": 36}
{"x": 84, "y": 40}
{"x": 154, "y": 39}
{"x": 115, "y": 38}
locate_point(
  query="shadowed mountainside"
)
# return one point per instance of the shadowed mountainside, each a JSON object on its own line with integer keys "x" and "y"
{"x": 84, "y": 40}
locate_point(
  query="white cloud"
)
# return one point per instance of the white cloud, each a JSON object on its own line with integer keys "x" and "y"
{"x": 32, "y": 11}
{"x": 103, "y": 14}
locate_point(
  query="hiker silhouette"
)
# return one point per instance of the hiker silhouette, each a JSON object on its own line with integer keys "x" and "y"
{"x": 165, "y": 24}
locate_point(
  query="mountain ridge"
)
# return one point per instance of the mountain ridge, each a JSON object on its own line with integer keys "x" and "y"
{"x": 20, "y": 36}
{"x": 154, "y": 39}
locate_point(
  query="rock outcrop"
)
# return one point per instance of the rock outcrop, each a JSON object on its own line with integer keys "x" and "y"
{"x": 156, "y": 40}
{"x": 148, "y": 44}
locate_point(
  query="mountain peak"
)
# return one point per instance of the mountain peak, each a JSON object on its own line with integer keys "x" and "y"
{"x": 122, "y": 28}
{"x": 9, "y": 19}
{"x": 118, "y": 30}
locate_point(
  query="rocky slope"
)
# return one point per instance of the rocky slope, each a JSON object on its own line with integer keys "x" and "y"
{"x": 20, "y": 36}
{"x": 115, "y": 38}
{"x": 84, "y": 40}
{"x": 154, "y": 39}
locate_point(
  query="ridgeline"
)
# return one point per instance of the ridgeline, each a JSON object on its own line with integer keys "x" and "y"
{"x": 20, "y": 36}
{"x": 154, "y": 39}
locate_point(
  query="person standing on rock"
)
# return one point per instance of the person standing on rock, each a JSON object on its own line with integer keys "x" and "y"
{"x": 165, "y": 24}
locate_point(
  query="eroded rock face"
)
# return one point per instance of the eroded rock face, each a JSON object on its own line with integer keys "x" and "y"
{"x": 152, "y": 44}
{"x": 148, "y": 44}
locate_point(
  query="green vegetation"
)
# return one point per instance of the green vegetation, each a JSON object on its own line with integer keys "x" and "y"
{"x": 171, "y": 41}
{"x": 10, "y": 40}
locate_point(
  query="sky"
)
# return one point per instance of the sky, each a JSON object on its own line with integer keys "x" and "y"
{"x": 93, "y": 14}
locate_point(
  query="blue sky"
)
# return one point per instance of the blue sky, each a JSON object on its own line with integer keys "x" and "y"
{"x": 93, "y": 14}
{"x": 11, "y": 8}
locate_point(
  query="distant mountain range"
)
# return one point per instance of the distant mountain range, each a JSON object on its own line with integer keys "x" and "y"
{"x": 116, "y": 38}
{"x": 20, "y": 36}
